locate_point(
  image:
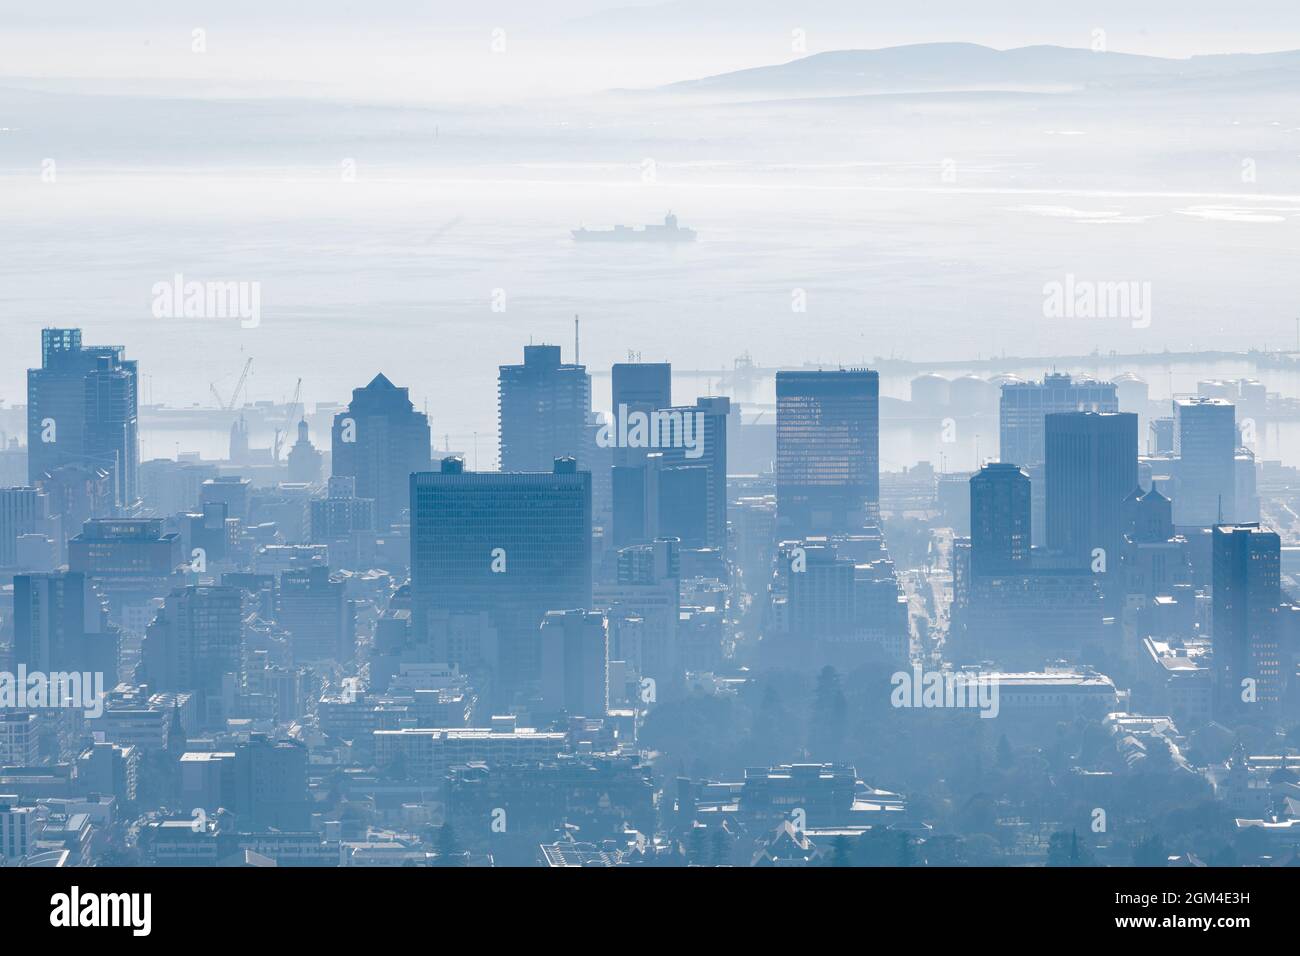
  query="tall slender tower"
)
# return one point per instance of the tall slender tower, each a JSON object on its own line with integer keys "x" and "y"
{"x": 543, "y": 406}
{"x": 82, "y": 410}
{"x": 1205, "y": 441}
{"x": 1000, "y": 519}
{"x": 1247, "y": 597}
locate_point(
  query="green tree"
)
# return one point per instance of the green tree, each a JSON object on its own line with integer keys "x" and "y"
{"x": 449, "y": 851}
{"x": 1064, "y": 849}
{"x": 841, "y": 852}
{"x": 1150, "y": 851}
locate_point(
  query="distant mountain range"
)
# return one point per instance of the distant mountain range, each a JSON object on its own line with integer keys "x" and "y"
{"x": 930, "y": 67}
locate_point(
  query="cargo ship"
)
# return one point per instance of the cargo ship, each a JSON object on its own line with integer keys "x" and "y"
{"x": 669, "y": 231}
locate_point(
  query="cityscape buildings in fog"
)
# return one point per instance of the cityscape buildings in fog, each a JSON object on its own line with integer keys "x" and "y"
{"x": 380, "y": 626}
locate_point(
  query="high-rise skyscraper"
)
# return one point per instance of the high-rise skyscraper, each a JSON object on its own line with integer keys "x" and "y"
{"x": 61, "y": 624}
{"x": 827, "y": 451}
{"x": 637, "y": 389}
{"x": 82, "y": 410}
{"x": 513, "y": 544}
{"x": 1205, "y": 441}
{"x": 641, "y": 385}
{"x": 1000, "y": 519}
{"x": 636, "y": 501}
{"x": 1024, "y": 406}
{"x": 1247, "y": 596}
{"x": 23, "y": 511}
{"x": 1022, "y": 410}
{"x": 193, "y": 642}
{"x": 381, "y": 440}
{"x": 693, "y": 476}
{"x": 1091, "y": 469}
{"x": 683, "y": 494}
{"x": 543, "y": 407}
{"x": 316, "y": 612}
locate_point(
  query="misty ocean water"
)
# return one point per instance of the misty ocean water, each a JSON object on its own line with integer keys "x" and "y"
{"x": 436, "y": 271}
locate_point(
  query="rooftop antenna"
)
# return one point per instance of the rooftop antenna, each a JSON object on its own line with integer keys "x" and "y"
{"x": 576, "y": 360}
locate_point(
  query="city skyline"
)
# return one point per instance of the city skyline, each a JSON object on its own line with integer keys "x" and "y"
{"x": 640, "y": 434}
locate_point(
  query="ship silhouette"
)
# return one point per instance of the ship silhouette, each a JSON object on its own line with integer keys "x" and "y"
{"x": 669, "y": 231}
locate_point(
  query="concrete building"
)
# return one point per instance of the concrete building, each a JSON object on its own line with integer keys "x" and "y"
{"x": 575, "y": 663}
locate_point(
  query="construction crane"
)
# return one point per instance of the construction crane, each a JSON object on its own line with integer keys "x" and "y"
{"x": 280, "y": 435}
{"x": 239, "y": 387}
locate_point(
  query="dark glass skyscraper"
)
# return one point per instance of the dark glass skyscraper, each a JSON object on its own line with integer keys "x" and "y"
{"x": 515, "y": 545}
{"x": 381, "y": 440}
{"x": 636, "y": 389}
{"x": 693, "y": 480}
{"x": 543, "y": 406}
{"x": 1000, "y": 519}
{"x": 82, "y": 410}
{"x": 1091, "y": 470}
{"x": 636, "y": 501}
{"x": 1247, "y": 595}
{"x": 639, "y": 387}
{"x": 827, "y": 451}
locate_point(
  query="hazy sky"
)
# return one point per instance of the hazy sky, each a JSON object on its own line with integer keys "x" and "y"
{"x": 426, "y": 51}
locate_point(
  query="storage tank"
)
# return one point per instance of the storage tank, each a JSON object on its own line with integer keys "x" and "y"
{"x": 973, "y": 395}
{"x": 931, "y": 391}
